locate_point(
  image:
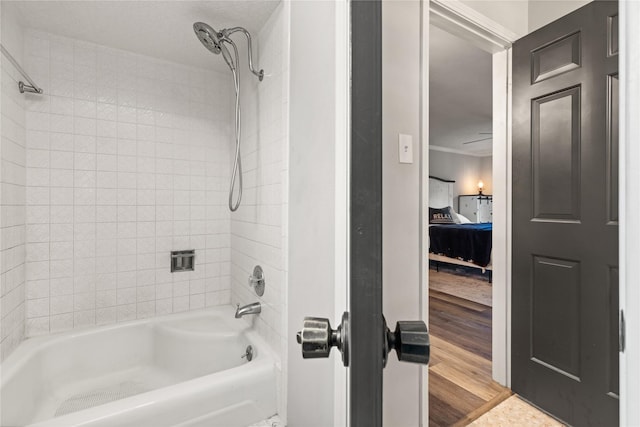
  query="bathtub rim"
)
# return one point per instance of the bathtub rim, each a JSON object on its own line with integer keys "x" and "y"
{"x": 42, "y": 341}
{"x": 153, "y": 397}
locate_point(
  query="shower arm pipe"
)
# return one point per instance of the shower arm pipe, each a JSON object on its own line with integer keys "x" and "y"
{"x": 31, "y": 87}
{"x": 227, "y": 32}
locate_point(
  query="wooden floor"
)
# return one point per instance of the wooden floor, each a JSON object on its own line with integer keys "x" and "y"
{"x": 460, "y": 384}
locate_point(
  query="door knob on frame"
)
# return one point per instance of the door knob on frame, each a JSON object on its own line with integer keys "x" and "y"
{"x": 317, "y": 338}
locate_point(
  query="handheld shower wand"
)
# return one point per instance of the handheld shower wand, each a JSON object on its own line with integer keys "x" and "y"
{"x": 214, "y": 41}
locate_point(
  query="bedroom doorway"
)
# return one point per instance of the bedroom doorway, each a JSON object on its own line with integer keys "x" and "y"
{"x": 461, "y": 385}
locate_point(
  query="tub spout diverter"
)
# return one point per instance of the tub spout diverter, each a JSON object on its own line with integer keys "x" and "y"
{"x": 254, "y": 308}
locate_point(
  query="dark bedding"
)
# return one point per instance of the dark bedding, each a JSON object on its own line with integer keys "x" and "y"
{"x": 469, "y": 242}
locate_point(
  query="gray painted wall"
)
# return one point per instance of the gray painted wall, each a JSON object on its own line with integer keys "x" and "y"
{"x": 486, "y": 173}
{"x": 465, "y": 170}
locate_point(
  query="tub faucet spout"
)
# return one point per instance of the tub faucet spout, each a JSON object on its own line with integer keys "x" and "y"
{"x": 254, "y": 308}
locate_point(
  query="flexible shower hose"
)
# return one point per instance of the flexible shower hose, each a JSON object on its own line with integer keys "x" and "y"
{"x": 237, "y": 164}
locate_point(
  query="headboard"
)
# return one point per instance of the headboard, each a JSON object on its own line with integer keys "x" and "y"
{"x": 440, "y": 192}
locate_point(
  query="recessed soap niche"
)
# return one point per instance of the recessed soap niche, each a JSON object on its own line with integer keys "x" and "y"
{"x": 183, "y": 260}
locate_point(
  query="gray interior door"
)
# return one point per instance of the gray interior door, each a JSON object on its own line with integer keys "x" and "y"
{"x": 365, "y": 296}
{"x": 565, "y": 216}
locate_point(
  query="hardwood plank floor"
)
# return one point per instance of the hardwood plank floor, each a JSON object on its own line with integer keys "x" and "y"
{"x": 460, "y": 384}
{"x": 468, "y": 285}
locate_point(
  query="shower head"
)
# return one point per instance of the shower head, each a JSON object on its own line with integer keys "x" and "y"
{"x": 213, "y": 41}
{"x": 207, "y": 36}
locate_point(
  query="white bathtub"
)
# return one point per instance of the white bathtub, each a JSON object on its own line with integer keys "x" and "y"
{"x": 178, "y": 370}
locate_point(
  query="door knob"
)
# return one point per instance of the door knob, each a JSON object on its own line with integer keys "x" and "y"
{"x": 317, "y": 338}
{"x": 410, "y": 340}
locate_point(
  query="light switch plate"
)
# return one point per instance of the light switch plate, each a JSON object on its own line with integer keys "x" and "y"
{"x": 405, "y": 148}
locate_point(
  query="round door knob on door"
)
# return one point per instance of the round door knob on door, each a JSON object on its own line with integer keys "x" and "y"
{"x": 317, "y": 337}
{"x": 410, "y": 340}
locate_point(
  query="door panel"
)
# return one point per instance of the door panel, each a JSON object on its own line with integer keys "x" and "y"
{"x": 565, "y": 233}
{"x": 612, "y": 147}
{"x": 555, "y": 58}
{"x": 614, "y": 341}
{"x": 555, "y": 141}
{"x": 555, "y": 322}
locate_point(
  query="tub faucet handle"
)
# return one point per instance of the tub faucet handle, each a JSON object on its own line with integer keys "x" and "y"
{"x": 256, "y": 280}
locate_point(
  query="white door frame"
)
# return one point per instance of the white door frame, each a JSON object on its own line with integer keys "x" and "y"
{"x": 629, "y": 195}
{"x": 342, "y": 72}
{"x": 459, "y": 19}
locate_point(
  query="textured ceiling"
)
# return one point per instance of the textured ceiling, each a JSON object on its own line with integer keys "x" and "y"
{"x": 459, "y": 94}
{"x": 161, "y": 29}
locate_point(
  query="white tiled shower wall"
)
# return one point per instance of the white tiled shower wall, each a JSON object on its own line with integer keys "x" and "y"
{"x": 259, "y": 227}
{"x": 12, "y": 206}
{"x": 127, "y": 159}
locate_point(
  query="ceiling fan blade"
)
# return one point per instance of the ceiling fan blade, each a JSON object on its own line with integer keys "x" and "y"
{"x": 476, "y": 140}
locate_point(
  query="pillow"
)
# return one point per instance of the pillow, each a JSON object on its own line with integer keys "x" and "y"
{"x": 463, "y": 219}
{"x": 443, "y": 216}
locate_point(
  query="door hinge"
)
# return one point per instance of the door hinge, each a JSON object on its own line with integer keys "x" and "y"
{"x": 621, "y": 339}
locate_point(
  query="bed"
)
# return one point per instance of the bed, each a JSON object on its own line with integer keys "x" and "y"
{"x": 453, "y": 239}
